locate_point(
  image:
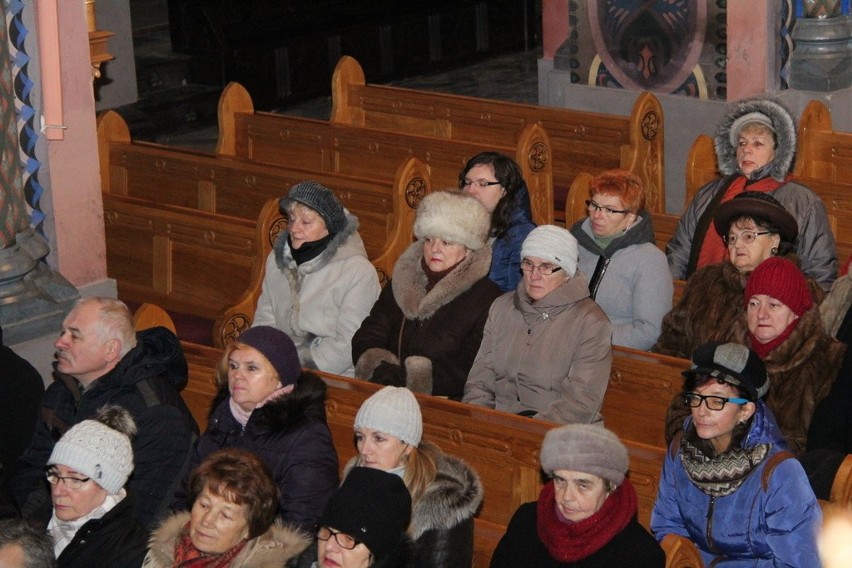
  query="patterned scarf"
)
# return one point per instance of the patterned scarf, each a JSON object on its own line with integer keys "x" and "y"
{"x": 187, "y": 556}
{"x": 723, "y": 474}
{"x": 572, "y": 542}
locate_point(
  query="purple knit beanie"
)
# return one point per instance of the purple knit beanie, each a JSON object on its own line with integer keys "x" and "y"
{"x": 278, "y": 349}
{"x": 779, "y": 278}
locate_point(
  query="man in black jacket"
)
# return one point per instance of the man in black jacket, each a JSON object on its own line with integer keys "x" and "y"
{"x": 101, "y": 360}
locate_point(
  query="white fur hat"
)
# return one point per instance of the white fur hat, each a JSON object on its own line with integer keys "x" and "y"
{"x": 554, "y": 244}
{"x": 454, "y": 217}
{"x": 394, "y": 411}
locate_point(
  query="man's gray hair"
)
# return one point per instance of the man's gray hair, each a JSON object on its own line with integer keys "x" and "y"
{"x": 114, "y": 321}
{"x": 36, "y": 544}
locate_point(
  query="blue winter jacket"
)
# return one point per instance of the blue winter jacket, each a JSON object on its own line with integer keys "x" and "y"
{"x": 753, "y": 526}
{"x": 506, "y": 251}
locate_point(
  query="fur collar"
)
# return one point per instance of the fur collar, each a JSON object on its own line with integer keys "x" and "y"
{"x": 785, "y": 133}
{"x": 284, "y": 257}
{"x": 272, "y": 549}
{"x": 308, "y": 398}
{"x": 409, "y": 281}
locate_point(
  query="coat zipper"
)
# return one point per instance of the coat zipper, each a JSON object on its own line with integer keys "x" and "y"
{"x": 709, "y": 534}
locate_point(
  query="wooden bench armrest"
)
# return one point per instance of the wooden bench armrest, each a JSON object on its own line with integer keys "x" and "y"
{"x": 237, "y": 318}
{"x": 644, "y": 155}
{"x": 575, "y": 202}
{"x": 681, "y": 552}
{"x": 841, "y": 488}
{"x": 152, "y": 315}
{"x": 700, "y": 166}
{"x": 235, "y": 99}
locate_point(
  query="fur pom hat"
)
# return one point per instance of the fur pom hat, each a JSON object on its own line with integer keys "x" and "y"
{"x": 454, "y": 217}
{"x": 770, "y": 113}
{"x": 99, "y": 449}
{"x": 553, "y": 244}
{"x": 587, "y": 448}
{"x": 394, "y": 411}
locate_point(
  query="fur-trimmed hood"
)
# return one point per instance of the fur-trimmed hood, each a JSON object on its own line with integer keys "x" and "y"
{"x": 272, "y": 549}
{"x": 307, "y": 398}
{"x": 453, "y": 496}
{"x": 409, "y": 281}
{"x": 341, "y": 243}
{"x": 785, "y": 134}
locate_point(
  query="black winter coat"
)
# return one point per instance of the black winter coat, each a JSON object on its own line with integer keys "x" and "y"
{"x": 146, "y": 382}
{"x": 115, "y": 540}
{"x": 21, "y": 390}
{"x": 521, "y": 546}
{"x": 291, "y": 436}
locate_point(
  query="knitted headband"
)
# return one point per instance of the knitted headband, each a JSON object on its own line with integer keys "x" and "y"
{"x": 394, "y": 411}
{"x": 587, "y": 448}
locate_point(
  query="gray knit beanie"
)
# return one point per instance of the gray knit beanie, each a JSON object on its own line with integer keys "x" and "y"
{"x": 319, "y": 198}
{"x": 587, "y": 448}
{"x": 553, "y": 244}
{"x": 98, "y": 451}
{"x": 454, "y": 217}
{"x": 394, "y": 411}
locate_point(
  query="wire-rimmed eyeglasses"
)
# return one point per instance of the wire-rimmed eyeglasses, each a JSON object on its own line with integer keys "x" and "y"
{"x": 543, "y": 269}
{"x": 593, "y": 207}
{"x": 343, "y": 540}
{"x": 747, "y": 237}
{"x": 71, "y": 482}
{"x": 694, "y": 400}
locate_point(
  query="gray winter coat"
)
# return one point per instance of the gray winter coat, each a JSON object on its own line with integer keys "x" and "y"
{"x": 635, "y": 289}
{"x": 321, "y": 303}
{"x": 551, "y": 358}
{"x": 815, "y": 246}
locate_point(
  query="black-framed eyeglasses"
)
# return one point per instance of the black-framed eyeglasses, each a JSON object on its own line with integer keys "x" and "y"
{"x": 694, "y": 400}
{"x": 343, "y": 540}
{"x": 483, "y": 183}
{"x": 543, "y": 269}
{"x": 608, "y": 211}
{"x": 70, "y": 482}
{"x": 746, "y": 236}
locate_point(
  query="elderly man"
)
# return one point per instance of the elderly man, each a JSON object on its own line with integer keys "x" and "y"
{"x": 24, "y": 546}
{"x": 101, "y": 360}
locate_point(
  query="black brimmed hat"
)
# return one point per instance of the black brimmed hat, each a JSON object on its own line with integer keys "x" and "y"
{"x": 756, "y": 204}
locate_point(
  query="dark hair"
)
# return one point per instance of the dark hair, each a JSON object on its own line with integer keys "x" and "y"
{"x": 693, "y": 382}
{"x": 241, "y": 477}
{"x": 36, "y": 544}
{"x": 510, "y": 177}
{"x": 785, "y": 247}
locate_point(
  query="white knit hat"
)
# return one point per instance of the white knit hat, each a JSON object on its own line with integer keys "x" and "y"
{"x": 96, "y": 451}
{"x": 394, "y": 411}
{"x": 553, "y": 244}
{"x": 454, "y": 217}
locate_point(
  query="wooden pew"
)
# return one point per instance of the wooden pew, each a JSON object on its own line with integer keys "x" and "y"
{"x": 318, "y": 145}
{"x": 580, "y": 141}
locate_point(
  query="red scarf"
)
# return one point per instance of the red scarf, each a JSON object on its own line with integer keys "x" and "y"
{"x": 572, "y": 542}
{"x": 187, "y": 556}
{"x": 764, "y": 349}
{"x": 713, "y": 249}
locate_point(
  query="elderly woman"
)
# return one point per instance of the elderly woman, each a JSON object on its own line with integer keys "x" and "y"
{"x": 803, "y": 361}
{"x": 93, "y": 522}
{"x": 268, "y": 405}
{"x": 426, "y": 326}
{"x": 546, "y": 351}
{"x": 755, "y": 227}
{"x": 364, "y": 525}
{"x": 318, "y": 286}
{"x": 445, "y": 491}
{"x": 627, "y": 272}
{"x": 231, "y": 519}
{"x": 585, "y": 515}
{"x": 755, "y": 147}
{"x": 727, "y": 483}
{"x": 496, "y": 181}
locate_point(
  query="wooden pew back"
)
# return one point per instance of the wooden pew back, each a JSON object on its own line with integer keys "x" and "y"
{"x": 581, "y": 141}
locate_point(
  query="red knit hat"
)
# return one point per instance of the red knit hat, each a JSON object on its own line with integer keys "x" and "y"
{"x": 781, "y": 279}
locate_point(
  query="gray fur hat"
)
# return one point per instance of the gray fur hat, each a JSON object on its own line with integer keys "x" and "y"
{"x": 319, "y": 198}
{"x": 587, "y": 448}
{"x": 100, "y": 449}
{"x": 454, "y": 217}
{"x": 766, "y": 111}
{"x": 394, "y": 411}
{"x": 553, "y": 244}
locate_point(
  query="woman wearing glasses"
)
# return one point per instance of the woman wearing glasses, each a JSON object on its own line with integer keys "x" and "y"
{"x": 546, "y": 350}
{"x": 425, "y": 328}
{"x": 754, "y": 227}
{"x": 728, "y": 484}
{"x": 496, "y": 181}
{"x": 628, "y": 275}
{"x": 92, "y": 522}
{"x": 231, "y": 520}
